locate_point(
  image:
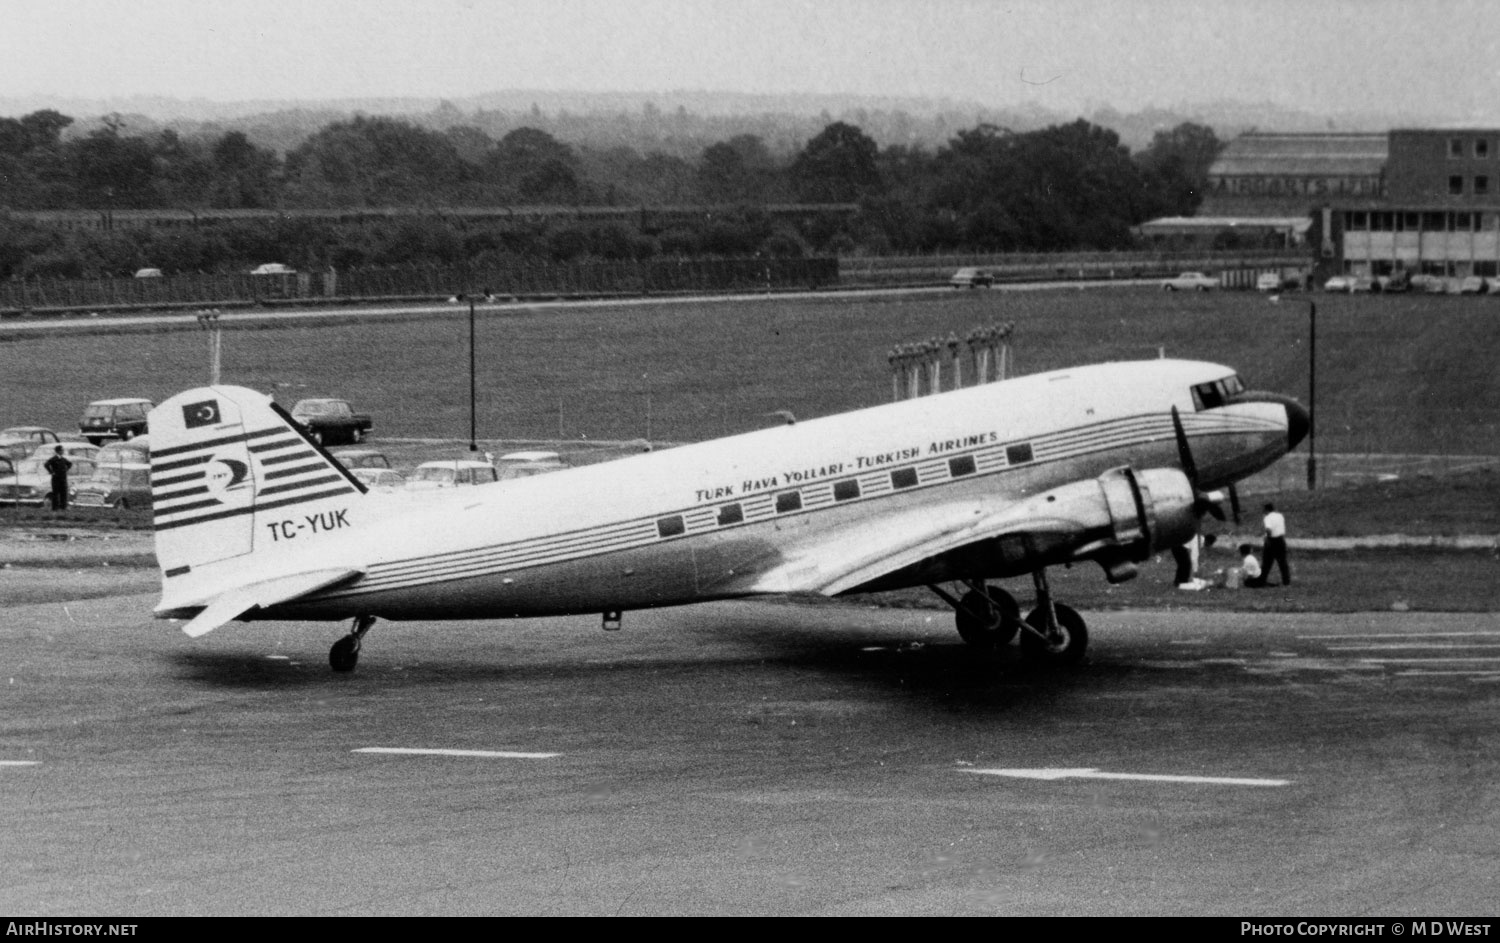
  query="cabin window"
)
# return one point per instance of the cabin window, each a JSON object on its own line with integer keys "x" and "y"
{"x": 670, "y": 526}
{"x": 730, "y": 514}
{"x": 961, "y": 465}
{"x": 1018, "y": 454}
{"x": 846, "y": 490}
{"x": 904, "y": 478}
{"x": 788, "y": 501}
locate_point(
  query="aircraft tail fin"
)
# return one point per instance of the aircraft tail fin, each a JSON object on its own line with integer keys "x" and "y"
{"x": 232, "y": 474}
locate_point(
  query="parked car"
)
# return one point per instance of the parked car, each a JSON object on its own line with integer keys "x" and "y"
{"x": 451, "y": 473}
{"x": 379, "y": 479}
{"x": 1343, "y": 283}
{"x": 114, "y": 419}
{"x": 72, "y": 451}
{"x": 116, "y": 485}
{"x": 1395, "y": 283}
{"x": 972, "y": 278}
{"x": 1473, "y": 285}
{"x": 148, "y": 273}
{"x": 273, "y": 268}
{"x": 1431, "y": 284}
{"x": 354, "y": 459}
{"x": 125, "y": 451}
{"x": 18, "y": 442}
{"x": 31, "y": 483}
{"x": 1269, "y": 281}
{"x": 1363, "y": 284}
{"x": 331, "y": 420}
{"x": 1190, "y": 281}
{"x": 515, "y": 465}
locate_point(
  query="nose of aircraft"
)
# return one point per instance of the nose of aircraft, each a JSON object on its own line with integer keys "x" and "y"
{"x": 1298, "y": 421}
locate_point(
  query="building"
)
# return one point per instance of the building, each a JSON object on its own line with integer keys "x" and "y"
{"x": 1418, "y": 201}
{"x": 1439, "y": 212}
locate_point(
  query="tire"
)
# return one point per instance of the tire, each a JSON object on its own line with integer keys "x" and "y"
{"x": 1168, "y": 288}
{"x": 127, "y": 435}
{"x": 344, "y": 654}
{"x": 1068, "y": 651}
{"x": 1000, "y": 624}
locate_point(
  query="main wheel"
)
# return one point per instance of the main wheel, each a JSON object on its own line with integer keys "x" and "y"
{"x": 344, "y": 654}
{"x": 987, "y": 621}
{"x": 1068, "y": 649}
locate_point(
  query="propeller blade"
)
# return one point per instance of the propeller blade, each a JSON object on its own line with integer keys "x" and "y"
{"x": 1207, "y": 505}
{"x": 1184, "y": 451}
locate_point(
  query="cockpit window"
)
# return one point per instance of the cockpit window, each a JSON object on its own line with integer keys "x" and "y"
{"x": 1213, "y": 395}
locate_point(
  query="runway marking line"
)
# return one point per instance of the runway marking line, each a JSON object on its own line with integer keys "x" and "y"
{"x": 1424, "y": 661}
{"x": 1389, "y": 635}
{"x": 1393, "y": 646}
{"x": 1055, "y": 774}
{"x": 20, "y": 762}
{"x": 481, "y": 754}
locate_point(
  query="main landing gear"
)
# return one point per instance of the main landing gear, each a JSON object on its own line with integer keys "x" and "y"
{"x": 988, "y": 617}
{"x": 344, "y": 654}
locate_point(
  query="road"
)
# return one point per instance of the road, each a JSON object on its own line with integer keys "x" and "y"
{"x": 111, "y": 321}
{"x": 756, "y": 758}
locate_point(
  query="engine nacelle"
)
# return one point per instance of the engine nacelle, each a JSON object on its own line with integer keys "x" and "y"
{"x": 1150, "y": 510}
{"x": 1118, "y": 520}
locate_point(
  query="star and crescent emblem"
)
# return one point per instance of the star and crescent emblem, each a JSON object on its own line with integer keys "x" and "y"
{"x": 205, "y": 413}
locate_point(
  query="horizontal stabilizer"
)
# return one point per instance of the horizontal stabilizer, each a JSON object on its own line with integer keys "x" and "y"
{"x": 236, "y": 602}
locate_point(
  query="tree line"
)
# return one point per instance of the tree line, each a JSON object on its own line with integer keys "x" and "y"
{"x": 1066, "y": 187}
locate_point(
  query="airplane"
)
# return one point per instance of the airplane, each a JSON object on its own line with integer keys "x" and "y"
{"x": 1110, "y": 462}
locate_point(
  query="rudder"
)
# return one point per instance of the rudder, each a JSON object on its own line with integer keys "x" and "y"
{"x": 225, "y": 461}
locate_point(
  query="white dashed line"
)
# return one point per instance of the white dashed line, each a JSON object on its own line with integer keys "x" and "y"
{"x": 20, "y": 762}
{"x": 1055, "y": 774}
{"x": 482, "y": 754}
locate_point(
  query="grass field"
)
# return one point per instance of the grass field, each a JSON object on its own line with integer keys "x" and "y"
{"x": 1407, "y": 374}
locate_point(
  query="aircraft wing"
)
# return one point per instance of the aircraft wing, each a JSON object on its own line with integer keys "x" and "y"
{"x": 235, "y": 602}
{"x": 863, "y": 551}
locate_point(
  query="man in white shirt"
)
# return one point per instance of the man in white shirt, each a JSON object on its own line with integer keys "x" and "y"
{"x": 1250, "y": 566}
{"x": 1274, "y": 550}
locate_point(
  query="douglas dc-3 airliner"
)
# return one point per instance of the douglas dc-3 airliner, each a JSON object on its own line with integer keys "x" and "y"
{"x": 1109, "y": 463}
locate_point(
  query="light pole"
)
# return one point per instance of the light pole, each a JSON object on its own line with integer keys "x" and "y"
{"x": 1312, "y": 395}
{"x": 1312, "y": 391}
{"x": 473, "y": 383}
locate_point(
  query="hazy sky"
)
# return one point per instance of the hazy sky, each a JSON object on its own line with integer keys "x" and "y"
{"x": 1423, "y": 56}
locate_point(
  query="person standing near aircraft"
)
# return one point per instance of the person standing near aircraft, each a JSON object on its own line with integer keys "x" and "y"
{"x": 1274, "y": 549}
{"x": 57, "y": 466}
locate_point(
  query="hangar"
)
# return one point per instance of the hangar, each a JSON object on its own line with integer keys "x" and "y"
{"x": 1418, "y": 200}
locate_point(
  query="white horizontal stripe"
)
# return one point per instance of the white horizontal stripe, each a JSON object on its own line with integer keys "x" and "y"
{"x": 483, "y": 754}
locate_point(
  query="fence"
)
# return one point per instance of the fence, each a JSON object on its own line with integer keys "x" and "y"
{"x": 579, "y": 278}
{"x": 1029, "y": 266}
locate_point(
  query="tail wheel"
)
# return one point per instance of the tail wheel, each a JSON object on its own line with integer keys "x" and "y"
{"x": 344, "y": 654}
{"x": 1066, "y": 648}
{"x": 987, "y": 619}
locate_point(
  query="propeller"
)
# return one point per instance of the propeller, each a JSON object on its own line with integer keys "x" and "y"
{"x": 1204, "y": 502}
